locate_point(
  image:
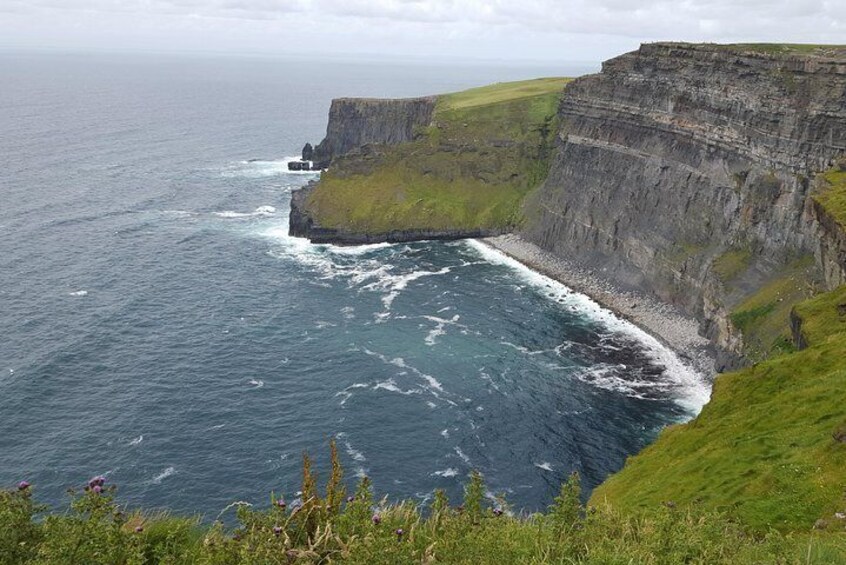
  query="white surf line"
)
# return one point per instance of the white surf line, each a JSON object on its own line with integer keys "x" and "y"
{"x": 694, "y": 388}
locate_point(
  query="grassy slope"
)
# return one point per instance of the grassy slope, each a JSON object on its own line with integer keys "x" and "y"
{"x": 488, "y": 147}
{"x": 763, "y": 316}
{"x": 762, "y": 449}
{"x": 831, "y": 194}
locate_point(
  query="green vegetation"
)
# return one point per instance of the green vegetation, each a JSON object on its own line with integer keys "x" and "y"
{"x": 764, "y": 317}
{"x": 786, "y": 48}
{"x": 763, "y": 450}
{"x": 831, "y": 193}
{"x": 487, "y": 148}
{"x": 823, "y": 316}
{"x": 327, "y": 528}
{"x": 732, "y": 263}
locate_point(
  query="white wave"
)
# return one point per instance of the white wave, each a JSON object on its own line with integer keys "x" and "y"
{"x": 257, "y": 383}
{"x": 262, "y": 168}
{"x": 163, "y": 475}
{"x": 693, "y": 390}
{"x": 217, "y": 427}
{"x": 432, "y": 382}
{"x": 438, "y": 330}
{"x": 137, "y": 440}
{"x": 261, "y": 211}
{"x": 355, "y": 249}
{"x": 391, "y": 386}
{"x": 394, "y": 284}
{"x": 445, "y": 432}
{"x": 449, "y": 472}
{"x": 607, "y": 377}
{"x": 462, "y": 455}
{"x": 544, "y": 465}
{"x": 434, "y": 386}
{"x": 431, "y": 404}
{"x": 78, "y": 293}
{"x": 354, "y": 453}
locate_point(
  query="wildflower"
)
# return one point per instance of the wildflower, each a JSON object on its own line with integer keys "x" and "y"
{"x": 350, "y": 499}
{"x": 99, "y": 480}
{"x": 399, "y": 533}
{"x": 277, "y": 530}
{"x": 97, "y": 489}
{"x": 139, "y": 529}
{"x": 281, "y": 504}
{"x": 377, "y": 519}
{"x": 497, "y": 511}
{"x": 23, "y": 485}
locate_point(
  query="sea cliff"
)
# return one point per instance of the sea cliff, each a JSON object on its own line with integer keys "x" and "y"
{"x": 687, "y": 173}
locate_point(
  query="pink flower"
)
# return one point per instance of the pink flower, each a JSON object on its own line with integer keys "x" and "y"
{"x": 377, "y": 519}
{"x": 23, "y": 485}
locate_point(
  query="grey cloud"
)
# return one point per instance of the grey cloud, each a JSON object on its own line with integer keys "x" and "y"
{"x": 445, "y": 25}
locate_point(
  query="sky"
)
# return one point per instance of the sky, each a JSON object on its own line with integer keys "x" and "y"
{"x": 496, "y": 30}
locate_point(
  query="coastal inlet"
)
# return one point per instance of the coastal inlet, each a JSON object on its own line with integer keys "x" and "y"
{"x": 247, "y": 347}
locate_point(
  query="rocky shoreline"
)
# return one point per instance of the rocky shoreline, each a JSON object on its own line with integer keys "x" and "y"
{"x": 677, "y": 331}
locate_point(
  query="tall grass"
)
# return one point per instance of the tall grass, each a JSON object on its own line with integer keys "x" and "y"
{"x": 324, "y": 526}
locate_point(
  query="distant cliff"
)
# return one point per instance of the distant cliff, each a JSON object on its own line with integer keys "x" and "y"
{"x": 453, "y": 166}
{"x": 355, "y": 122}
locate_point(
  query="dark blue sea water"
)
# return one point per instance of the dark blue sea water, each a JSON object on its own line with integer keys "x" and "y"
{"x": 161, "y": 328}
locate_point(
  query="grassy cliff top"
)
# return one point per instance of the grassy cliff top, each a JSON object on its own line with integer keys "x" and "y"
{"x": 485, "y": 150}
{"x": 788, "y": 48}
{"x": 769, "y": 447}
{"x": 810, "y": 49}
{"x": 500, "y": 92}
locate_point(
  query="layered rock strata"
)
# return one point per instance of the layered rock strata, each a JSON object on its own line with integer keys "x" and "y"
{"x": 675, "y": 155}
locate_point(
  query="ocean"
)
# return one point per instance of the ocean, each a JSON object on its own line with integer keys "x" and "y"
{"x": 161, "y": 328}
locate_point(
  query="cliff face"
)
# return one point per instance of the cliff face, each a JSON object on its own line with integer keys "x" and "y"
{"x": 355, "y": 122}
{"x": 677, "y": 157}
{"x": 455, "y": 166}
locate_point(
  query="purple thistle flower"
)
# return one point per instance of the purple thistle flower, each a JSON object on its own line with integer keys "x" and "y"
{"x": 281, "y": 504}
{"x": 350, "y": 499}
{"x": 497, "y": 511}
{"x": 139, "y": 529}
{"x": 377, "y": 519}
{"x": 23, "y": 485}
{"x": 399, "y": 532}
{"x": 97, "y": 489}
{"x": 97, "y": 481}
{"x": 277, "y": 530}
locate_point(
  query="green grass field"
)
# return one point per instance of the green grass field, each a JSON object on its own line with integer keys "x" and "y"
{"x": 762, "y": 450}
{"x": 831, "y": 194}
{"x": 486, "y": 149}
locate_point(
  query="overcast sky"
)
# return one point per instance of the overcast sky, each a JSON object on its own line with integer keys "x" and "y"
{"x": 542, "y": 30}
